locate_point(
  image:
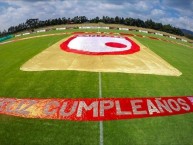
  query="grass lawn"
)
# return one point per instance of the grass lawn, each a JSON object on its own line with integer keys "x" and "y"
{"x": 19, "y": 131}
{"x": 176, "y": 130}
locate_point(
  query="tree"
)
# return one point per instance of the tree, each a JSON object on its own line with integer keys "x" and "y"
{"x": 83, "y": 19}
{"x": 117, "y": 20}
{"x": 95, "y": 20}
{"x": 32, "y": 23}
{"x": 64, "y": 20}
{"x": 36, "y": 23}
{"x": 150, "y": 24}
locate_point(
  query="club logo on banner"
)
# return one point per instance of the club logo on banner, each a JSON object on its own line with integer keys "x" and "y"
{"x": 100, "y": 45}
{"x": 96, "y": 109}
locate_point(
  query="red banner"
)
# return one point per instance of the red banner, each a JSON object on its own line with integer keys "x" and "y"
{"x": 96, "y": 109}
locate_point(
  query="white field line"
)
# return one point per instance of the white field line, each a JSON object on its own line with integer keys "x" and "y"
{"x": 101, "y": 140}
{"x": 20, "y": 39}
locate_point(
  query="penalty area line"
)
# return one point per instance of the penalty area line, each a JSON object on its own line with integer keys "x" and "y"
{"x": 101, "y": 140}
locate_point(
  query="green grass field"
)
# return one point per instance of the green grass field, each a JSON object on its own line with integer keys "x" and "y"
{"x": 171, "y": 130}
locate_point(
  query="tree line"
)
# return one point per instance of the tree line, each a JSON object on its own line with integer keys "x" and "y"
{"x": 32, "y": 24}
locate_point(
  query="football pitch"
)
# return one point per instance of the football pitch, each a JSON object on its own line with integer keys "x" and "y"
{"x": 14, "y": 83}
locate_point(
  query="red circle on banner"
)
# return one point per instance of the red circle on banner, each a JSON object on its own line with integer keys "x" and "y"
{"x": 115, "y": 45}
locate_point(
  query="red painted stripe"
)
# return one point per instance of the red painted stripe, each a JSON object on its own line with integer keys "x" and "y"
{"x": 127, "y": 34}
{"x": 154, "y": 38}
{"x": 76, "y": 33}
{"x": 96, "y": 109}
{"x": 139, "y": 35}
